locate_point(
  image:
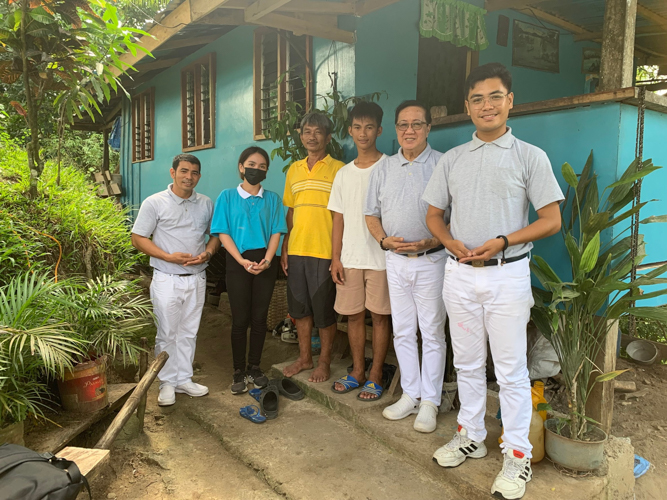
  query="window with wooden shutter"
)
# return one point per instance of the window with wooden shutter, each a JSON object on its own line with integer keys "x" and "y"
{"x": 198, "y": 104}
{"x": 142, "y": 125}
{"x": 281, "y": 73}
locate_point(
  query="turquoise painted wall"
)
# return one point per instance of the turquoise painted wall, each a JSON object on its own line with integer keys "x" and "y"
{"x": 655, "y": 185}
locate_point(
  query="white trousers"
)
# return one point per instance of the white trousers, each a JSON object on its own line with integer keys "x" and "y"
{"x": 177, "y": 304}
{"x": 491, "y": 302}
{"x": 415, "y": 293}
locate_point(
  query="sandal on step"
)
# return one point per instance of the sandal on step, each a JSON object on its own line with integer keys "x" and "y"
{"x": 371, "y": 388}
{"x": 348, "y": 381}
{"x": 267, "y": 399}
{"x": 251, "y": 412}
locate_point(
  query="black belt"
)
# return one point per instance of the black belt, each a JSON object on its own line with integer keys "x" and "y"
{"x": 413, "y": 255}
{"x": 173, "y": 274}
{"x": 491, "y": 262}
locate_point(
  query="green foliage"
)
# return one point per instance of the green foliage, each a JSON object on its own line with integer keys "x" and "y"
{"x": 34, "y": 343}
{"x": 92, "y": 233}
{"x": 574, "y": 315}
{"x": 648, "y": 329}
{"x": 83, "y": 151}
{"x": 284, "y": 130}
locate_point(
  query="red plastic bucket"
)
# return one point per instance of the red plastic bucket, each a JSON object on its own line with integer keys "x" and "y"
{"x": 84, "y": 387}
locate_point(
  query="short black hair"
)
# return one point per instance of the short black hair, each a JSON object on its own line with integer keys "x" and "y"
{"x": 410, "y": 104}
{"x": 486, "y": 71}
{"x": 185, "y": 157}
{"x": 247, "y": 153}
{"x": 366, "y": 109}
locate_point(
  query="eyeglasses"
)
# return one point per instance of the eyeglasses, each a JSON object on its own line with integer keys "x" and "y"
{"x": 494, "y": 100}
{"x": 416, "y": 126}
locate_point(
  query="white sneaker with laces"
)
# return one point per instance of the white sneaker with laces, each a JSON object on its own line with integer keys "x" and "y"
{"x": 166, "y": 396}
{"x": 458, "y": 449}
{"x": 426, "y": 419}
{"x": 192, "y": 389}
{"x": 511, "y": 481}
{"x": 401, "y": 408}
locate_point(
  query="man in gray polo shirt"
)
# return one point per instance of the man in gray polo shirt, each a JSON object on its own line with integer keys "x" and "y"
{"x": 178, "y": 219}
{"x": 488, "y": 184}
{"x": 395, "y": 215}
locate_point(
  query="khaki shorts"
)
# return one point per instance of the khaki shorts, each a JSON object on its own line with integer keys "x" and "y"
{"x": 363, "y": 289}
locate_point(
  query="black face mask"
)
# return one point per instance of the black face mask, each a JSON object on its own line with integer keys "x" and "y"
{"x": 254, "y": 175}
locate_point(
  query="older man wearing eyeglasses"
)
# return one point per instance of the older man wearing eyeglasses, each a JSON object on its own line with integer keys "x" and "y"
{"x": 395, "y": 215}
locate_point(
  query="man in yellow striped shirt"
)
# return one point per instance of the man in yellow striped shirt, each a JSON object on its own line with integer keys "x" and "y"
{"x": 306, "y": 251}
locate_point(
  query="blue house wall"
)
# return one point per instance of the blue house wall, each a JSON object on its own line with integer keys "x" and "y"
{"x": 385, "y": 58}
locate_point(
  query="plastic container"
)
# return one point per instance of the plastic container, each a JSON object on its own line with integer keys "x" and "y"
{"x": 537, "y": 395}
{"x": 536, "y": 436}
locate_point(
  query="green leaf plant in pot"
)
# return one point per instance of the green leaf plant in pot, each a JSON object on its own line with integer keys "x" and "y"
{"x": 107, "y": 313}
{"x": 35, "y": 346}
{"x": 575, "y": 313}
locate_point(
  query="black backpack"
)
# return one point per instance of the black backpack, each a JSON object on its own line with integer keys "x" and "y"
{"x": 27, "y": 475}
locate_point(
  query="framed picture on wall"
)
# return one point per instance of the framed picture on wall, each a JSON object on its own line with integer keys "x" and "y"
{"x": 535, "y": 47}
{"x": 590, "y": 61}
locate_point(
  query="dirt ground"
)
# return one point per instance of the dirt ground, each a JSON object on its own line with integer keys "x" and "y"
{"x": 175, "y": 458}
{"x": 644, "y": 421}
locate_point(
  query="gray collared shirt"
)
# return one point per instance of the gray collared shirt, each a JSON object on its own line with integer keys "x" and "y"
{"x": 176, "y": 225}
{"x": 489, "y": 185}
{"x": 395, "y": 191}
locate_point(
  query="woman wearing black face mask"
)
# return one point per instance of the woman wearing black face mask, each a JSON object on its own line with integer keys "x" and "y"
{"x": 249, "y": 221}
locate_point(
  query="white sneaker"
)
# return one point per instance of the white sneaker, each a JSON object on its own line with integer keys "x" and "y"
{"x": 425, "y": 421}
{"x": 401, "y": 408}
{"x": 458, "y": 449}
{"x": 192, "y": 389}
{"x": 511, "y": 481}
{"x": 167, "y": 396}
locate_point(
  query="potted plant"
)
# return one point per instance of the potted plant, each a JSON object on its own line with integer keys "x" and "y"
{"x": 33, "y": 346}
{"x": 574, "y": 311}
{"x": 107, "y": 313}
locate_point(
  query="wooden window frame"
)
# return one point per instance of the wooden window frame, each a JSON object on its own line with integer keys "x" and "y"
{"x": 210, "y": 59}
{"x": 138, "y": 100}
{"x": 258, "y": 135}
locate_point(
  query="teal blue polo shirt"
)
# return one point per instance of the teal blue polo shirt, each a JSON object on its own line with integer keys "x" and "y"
{"x": 249, "y": 220}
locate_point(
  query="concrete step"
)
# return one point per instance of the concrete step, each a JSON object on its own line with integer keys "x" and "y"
{"x": 309, "y": 452}
{"x": 473, "y": 479}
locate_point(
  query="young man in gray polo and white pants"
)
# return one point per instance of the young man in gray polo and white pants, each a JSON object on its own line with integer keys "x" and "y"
{"x": 178, "y": 219}
{"x": 488, "y": 183}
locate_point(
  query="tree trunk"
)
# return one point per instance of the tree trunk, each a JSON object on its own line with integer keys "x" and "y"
{"x": 34, "y": 161}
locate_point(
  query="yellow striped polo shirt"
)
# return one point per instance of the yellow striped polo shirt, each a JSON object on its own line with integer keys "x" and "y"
{"x": 307, "y": 192}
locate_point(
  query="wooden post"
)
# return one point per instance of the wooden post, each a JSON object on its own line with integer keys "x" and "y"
{"x": 618, "y": 44}
{"x": 600, "y": 404}
{"x": 143, "y": 366}
{"x": 132, "y": 402}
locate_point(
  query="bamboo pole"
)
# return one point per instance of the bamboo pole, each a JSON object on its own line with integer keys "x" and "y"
{"x": 132, "y": 402}
{"x": 143, "y": 367}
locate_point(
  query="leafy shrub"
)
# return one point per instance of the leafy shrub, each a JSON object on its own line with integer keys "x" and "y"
{"x": 66, "y": 226}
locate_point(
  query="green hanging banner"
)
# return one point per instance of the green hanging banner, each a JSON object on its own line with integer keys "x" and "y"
{"x": 454, "y": 21}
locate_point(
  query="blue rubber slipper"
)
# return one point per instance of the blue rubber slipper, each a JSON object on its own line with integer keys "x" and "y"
{"x": 251, "y": 412}
{"x": 371, "y": 388}
{"x": 348, "y": 381}
{"x": 255, "y": 393}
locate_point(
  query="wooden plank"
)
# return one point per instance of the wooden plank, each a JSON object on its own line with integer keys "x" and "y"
{"x": 559, "y": 22}
{"x": 654, "y": 17}
{"x": 158, "y": 64}
{"x": 297, "y": 26}
{"x": 224, "y": 17}
{"x": 600, "y": 404}
{"x": 182, "y": 42}
{"x": 260, "y": 8}
{"x": 639, "y": 30}
{"x": 54, "y": 436}
{"x": 654, "y": 102}
{"x": 368, "y": 6}
{"x": 553, "y": 104}
{"x": 88, "y": 461}
{"x": 493, "y": 5}
{"x": 305, "y": 6}
{"x": 186, "y": 13}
